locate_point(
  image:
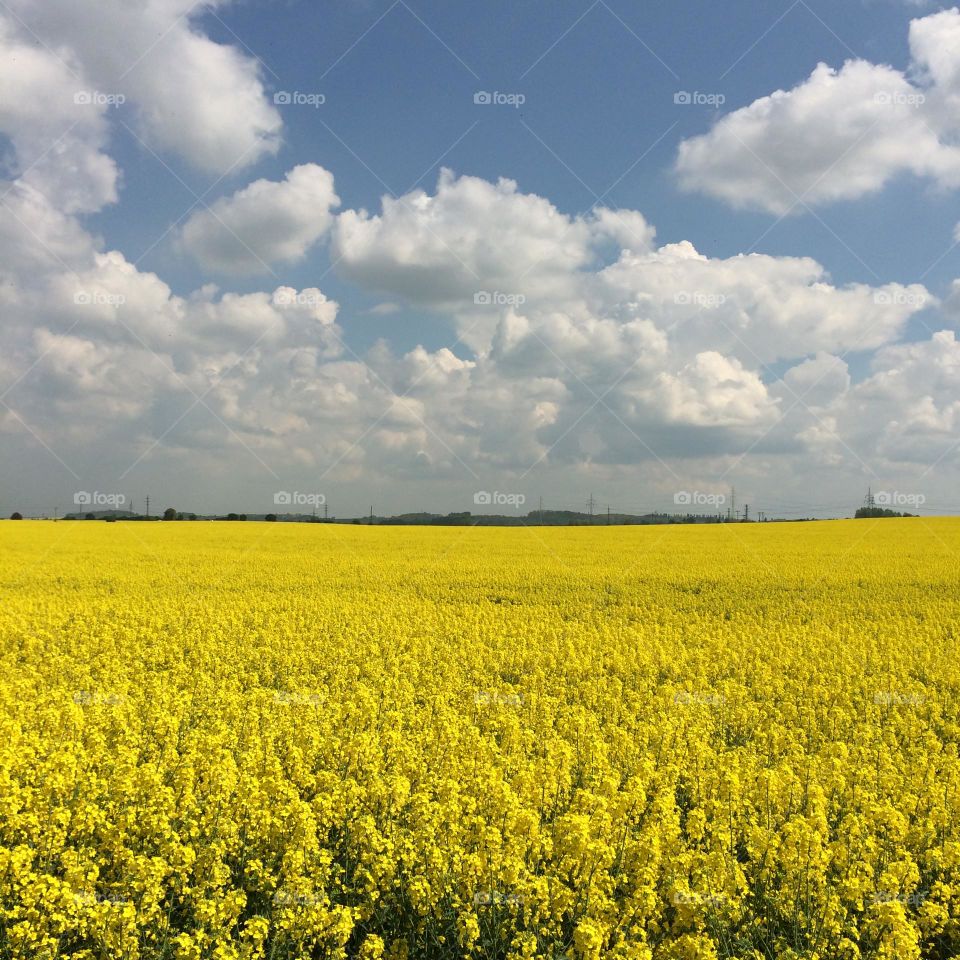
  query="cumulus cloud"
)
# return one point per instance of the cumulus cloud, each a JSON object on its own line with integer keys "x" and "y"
{"x": 263, "y": 224}
{"x": 632, "y": 354}
{"x": 58, "y": 142}
{"x": 759, "y": 307}
{"x": 713, "y": 391}
{"x": 113, "y": 301}
{"x": 195, "y": 98}
{"x": 819, "y": 380}
{"x": 841, "y": 134}
{"x": 548, "y": 275}
{"x": 474, "y": 236}
{"x": 913, "y": 396}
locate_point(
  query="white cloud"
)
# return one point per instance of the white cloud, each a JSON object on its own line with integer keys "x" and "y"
{"x": 543, "y": 280}
{"x": 841, "y": 134}
{"x": 472, "y": 236}
{"x": 35, "y": 235}
{"x": 713, "y": 391}
{"x": 913, "y": 399}
{"x": 195, "y": 98}
{"x": 759, "y": 307}
{"x": 629, "y": 229}
{"x": 658, "y": 353}
{"x": 113, "y": 301}
{"x": 58, "y": 143}
{"x": 263, "y": 224}
{"x": 818, "y": 381}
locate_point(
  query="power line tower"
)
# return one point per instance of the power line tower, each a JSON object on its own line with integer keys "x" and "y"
{"x": 326, "y": 512}
{"x": 541, "y": 511}
{"x": 591, "y": 503}
{"x": 608, "y": 514}
{"x": 148, "y": 508}
{"x": 868, "y": 501}
{"x": 746, "y": 513}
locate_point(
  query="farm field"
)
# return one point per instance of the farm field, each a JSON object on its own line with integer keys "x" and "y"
{"x": 259, "y": 740}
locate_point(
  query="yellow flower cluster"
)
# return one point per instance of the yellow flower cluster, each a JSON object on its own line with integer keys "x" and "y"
{"x": 239, "y": 741}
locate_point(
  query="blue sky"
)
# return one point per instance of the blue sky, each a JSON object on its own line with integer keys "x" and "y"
{"x": 599, "y": 126}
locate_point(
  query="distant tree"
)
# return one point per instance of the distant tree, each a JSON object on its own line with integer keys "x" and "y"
{"x": 90, "y": 516}
{"x": 169, "y": 514}
{"x": 271, "y": 518}
{"x": 192, "y": 516}
{"x": 872, "y": 512}
{"x": 16, "y": 516}
{"x": 233, "y": 516}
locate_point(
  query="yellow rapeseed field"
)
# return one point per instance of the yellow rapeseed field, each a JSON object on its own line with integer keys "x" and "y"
{"x": 280, "y": 740}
